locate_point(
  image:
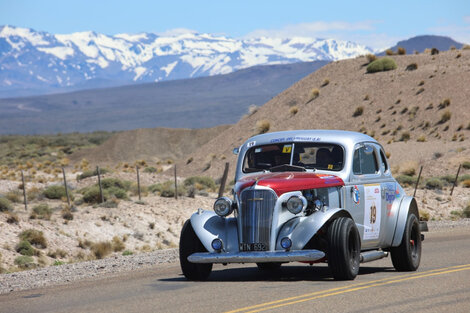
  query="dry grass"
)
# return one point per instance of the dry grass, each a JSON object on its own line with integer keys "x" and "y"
{"x": 263, "y": 126}
{"x": 293, "y": 110}
{"x": 101, "y": 249}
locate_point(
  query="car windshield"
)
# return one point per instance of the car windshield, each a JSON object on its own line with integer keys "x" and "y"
{"x": 319, "y": 156}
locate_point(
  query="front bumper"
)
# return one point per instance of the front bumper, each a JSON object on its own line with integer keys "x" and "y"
{"x": 256, "y": 257}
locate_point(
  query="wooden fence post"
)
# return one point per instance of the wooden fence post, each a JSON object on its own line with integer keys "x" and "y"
{"x": 455, "y": 181}
{"x": 176, "y": 186}
{"x": 417, "y": 181}
{"x": 65, "y": 185}
{"x": 24, "y": 192}
{"x": 138, "y": 181}
{"x": 224, "y": 180}
{"x": 99, "y": 184}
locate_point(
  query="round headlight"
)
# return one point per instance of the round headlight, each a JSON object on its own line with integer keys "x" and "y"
{"x": 286, "y": 243}
{"x": 223, "y": 206}
{"x": 296, "y": 204}
{"x": 217, "y": 244}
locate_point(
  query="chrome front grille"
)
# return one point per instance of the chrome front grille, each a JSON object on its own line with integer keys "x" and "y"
{"x": 255, "y": 217}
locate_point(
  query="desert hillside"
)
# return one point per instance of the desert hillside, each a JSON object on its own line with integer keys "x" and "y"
{"x": 419, "y": 112}
{"x": 150, "y": 144}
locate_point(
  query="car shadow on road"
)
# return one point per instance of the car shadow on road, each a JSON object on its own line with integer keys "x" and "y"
{"x": 286, "y": 273}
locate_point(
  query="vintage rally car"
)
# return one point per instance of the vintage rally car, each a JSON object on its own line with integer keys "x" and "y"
{"x": 309, "y": 196}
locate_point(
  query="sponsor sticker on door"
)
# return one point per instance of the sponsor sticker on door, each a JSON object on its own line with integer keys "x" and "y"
{"x": 372, "y": 202}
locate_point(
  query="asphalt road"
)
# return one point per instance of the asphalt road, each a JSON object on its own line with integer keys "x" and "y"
{"x": 442, "y": 284}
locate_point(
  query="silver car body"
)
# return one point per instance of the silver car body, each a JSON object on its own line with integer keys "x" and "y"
{"x": 352, "y": 198}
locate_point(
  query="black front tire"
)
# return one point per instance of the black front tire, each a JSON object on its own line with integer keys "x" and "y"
{"x": 407, "y": 256}
{"x": 189, "y": 244}
{"x": 344, "y": 249}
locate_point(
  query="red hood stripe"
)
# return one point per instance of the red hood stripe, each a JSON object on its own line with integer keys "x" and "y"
{"x": 289, "y": 181}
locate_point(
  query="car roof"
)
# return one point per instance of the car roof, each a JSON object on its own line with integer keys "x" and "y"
{"x": 342, "y": 137}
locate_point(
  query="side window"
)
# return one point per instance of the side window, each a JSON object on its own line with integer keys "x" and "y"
{"x": 383, "y": 159}
{"x": 365, "y": 161}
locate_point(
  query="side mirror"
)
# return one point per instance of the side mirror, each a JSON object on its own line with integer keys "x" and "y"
{"x": 236, "y": 150}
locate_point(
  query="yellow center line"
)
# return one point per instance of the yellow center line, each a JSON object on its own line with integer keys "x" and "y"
{"x": 349, "y": 288}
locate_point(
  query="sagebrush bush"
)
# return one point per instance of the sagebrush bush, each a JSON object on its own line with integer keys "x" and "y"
{"x": 115, "y": 182}
{"x": 14, "y": 196}
{"x": 380, "y": 65}
{"x": 42, "y": 211}
{"x": 445, "y": 117}
{"x": 167, "y": 189}
{"x": 25, "y": 248}
{"x": 5, "y": 205}
{"x": 405, "y": 136}
{"x": 34, "y": 237}
{"x": 406, "y": 180}
{"x": 101, "y": 249}
{"x": 205, "y": 182}
{"x": 118, "y": 244}
{"x": 12, "y": 218}
{"x": 87, "y": 174}
{"x": 67, "y": 214}
{"x": 314, "y": 93}
{"x": 421, "y": 138}
{"x": 293, "y": 110}
{"x": 150, "y": 169}
{"x": 263, "y": 126}
{"x": 389, "y": 52}
{"x": 466, "y": 211}
{"x": 466, "y": 165}
{"x": 24, "y": 261}
{"x": 434, "y": 183}
{"x": 358, "y": 111}
{"x": 401, "y": 50}
{"x": 55, "y": 192}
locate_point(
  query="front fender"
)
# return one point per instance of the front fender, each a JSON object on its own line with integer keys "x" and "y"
{"x": 408, "y": 204}
{"x": 301, "y": 229}
{"x": 207, "y": 225}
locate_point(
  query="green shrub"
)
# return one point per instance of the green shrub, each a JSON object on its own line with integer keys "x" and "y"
{"x": 5, "y": 205}
{"x": 206, "y": 182}
{"x": 466, "y": 165}
{"x": 434, "y": 183}
{"x": 150, "y": 169}
{"x": 466, "y": 211}
{"x": 448, "y": 179}
{"x": 406, "y": 180}
{"x": 127, "y": 252}
{"x": 87, "y": 174}
{"x": 464, "y": 177}
{"x": 42, "y": 211}
{"x": 114, "y": 182}
{"x": 167, "y": 189}
{"x": 25, "y": 248}
{"x": 24, "y": 262}
{"x": 380, "y": 65}
{"x": 117, "y": 192}
{"x": 55, "y": 192}
{"x": 34, "y": 237}
{"x": 92, "y": 195}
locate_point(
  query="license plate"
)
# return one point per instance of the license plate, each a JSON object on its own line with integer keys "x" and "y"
{"x": 253, "y": 247}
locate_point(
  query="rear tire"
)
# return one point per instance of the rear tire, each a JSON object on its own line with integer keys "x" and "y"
{"x": 407, "y": 256}
{"x": 271, "y": 267}
{"x": 189, "y": 244}
{"x": 344, "y": 249}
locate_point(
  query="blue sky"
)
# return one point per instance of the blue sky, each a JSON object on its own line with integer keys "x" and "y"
{"x": 377, "y": 24}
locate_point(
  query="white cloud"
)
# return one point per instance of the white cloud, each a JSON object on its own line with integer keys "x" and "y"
{"x": 360, "y": 32}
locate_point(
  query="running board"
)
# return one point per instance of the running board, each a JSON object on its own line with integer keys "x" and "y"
{"x": 372, "y": 256}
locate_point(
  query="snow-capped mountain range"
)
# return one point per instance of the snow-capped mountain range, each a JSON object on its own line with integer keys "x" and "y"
{"x": 40, "y": 61}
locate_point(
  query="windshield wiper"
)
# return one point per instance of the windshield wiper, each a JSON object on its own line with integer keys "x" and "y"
{"x": 287, "y": 168}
